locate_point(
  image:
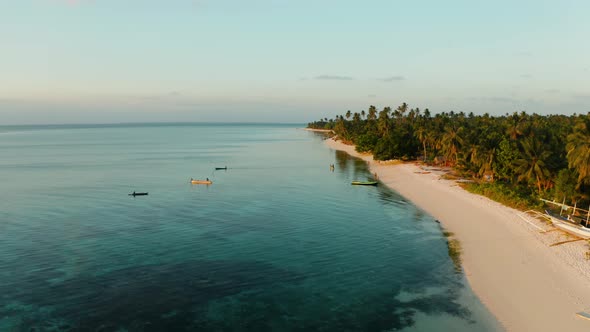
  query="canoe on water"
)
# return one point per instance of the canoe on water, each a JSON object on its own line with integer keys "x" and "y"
{"x": 138, "y": 194}
{"x": 201, "y": 182}
{"x": 220, "y": 168}
{"x": 364, "y": 183}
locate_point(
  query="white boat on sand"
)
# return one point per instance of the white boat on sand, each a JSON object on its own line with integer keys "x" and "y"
{"x": 571, "y": 223}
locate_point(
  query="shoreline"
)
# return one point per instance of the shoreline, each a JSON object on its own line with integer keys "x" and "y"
{"x": 526, "y": 284}
{"x": 319, "y": 130}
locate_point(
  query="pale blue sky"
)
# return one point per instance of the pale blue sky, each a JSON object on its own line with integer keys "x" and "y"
{"x": 66, "y": 61}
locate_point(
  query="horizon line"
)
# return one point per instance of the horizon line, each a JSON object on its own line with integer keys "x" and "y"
{"x": 154, "y": 123}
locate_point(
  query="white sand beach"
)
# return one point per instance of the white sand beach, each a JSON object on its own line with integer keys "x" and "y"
{"x": 526, "y": 283}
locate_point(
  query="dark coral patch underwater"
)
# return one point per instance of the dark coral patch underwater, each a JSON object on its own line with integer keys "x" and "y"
{"x": 214, "y": 296}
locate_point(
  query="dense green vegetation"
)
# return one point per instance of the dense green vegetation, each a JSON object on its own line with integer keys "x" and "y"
{"x": 514, "y": 158}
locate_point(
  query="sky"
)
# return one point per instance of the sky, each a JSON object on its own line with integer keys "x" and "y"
{"x": 111, "y": 61}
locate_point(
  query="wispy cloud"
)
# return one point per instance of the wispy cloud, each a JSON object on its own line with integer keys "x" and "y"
{"x": 526, "y": 76}
{"x": 392, "y": 78}
{"x": 372, "y": 96}
{"x": 334, "y": 78}
{"x": 551, "y": 91}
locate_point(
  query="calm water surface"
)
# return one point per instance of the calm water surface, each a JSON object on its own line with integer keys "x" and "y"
{"x": 277, "y": 243}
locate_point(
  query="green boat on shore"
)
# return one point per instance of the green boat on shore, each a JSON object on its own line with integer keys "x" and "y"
{"x": 364, "y": 183}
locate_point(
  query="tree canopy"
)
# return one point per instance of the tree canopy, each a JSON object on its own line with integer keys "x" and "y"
{"x": 538, "y": 152}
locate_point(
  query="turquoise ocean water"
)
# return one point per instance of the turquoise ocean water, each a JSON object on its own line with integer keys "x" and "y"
{"x": 277, "y": 243}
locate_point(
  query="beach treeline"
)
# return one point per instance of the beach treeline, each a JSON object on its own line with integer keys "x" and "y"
{"x": 515, "y": 158}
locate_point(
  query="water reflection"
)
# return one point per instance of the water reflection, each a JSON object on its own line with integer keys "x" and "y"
{"x": 352, "y": 168}
{"x": 342, "y": 159}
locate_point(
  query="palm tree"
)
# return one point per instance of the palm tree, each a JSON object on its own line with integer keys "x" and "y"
{"x": 348, "y": 115}
{"x": 515, "y": 122}
{"x": 362, "y": 113}
{"x": 383, "y": 122}
{"x": 372, "y": 114}
{"x": 451, "y": 142}
{"x": 578, "y": 151}
{"x": 433, "y": 140}
{"x": 485, "y": 161}
{"x": 473, "y": 156}
{"x": 402, "y": 109}
{"x": 532, "y": 164}
{"x": 420, "y": 134}
{"x": 356, "y": 117}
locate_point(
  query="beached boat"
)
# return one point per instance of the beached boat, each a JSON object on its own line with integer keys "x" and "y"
{"x": 201, "y": 182}
{"x": 570, "y": 223}
{"x": 364, "y": 183}
{"x": 138, "y": 194}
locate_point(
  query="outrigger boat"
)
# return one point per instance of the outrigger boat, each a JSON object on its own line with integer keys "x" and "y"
{"x": 201, "y": 182}
{"x": 220, "y": 168}
{"x": 138, "y": 194}
{"x": 364, "y": 183}
{"x": 572, "y": 223}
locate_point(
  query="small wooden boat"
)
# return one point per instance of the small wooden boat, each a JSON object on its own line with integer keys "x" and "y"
{"x": 364, "y": 183}
{"x": 201, "y": 182}
{"x": 138, "y": 194}
{"x": 220, "y": 168}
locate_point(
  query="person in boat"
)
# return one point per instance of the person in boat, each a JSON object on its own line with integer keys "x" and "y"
{"x": 207, "y": 179}
{"x": 133, "y": 192}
